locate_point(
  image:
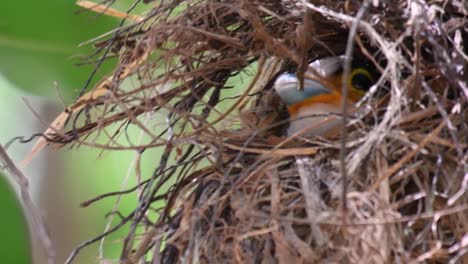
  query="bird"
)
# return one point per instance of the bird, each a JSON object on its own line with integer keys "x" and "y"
{"x": 315, "y": 110}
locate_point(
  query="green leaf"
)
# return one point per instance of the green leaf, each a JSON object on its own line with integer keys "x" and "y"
{"x": 14, "y": 243}
{"x": 39, "y": 44}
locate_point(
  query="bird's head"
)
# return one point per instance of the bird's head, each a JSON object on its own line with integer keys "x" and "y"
{"x": 322, "y": 91}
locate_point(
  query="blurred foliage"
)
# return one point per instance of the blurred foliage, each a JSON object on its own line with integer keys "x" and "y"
{"x": 39, "y": 50}
{"x": 14, "y": 245}
{"x": 39, "y": 44}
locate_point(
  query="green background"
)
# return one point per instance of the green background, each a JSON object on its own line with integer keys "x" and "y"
{"x": 38, "y": 56}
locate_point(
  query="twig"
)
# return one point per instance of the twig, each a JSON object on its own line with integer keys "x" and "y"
{"x": 107, "y": 10}
{"x": 32, "y": 212}
{"x": 344, "y": 101}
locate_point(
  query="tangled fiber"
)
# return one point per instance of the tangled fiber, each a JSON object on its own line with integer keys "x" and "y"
{"x": 390, "y": 188}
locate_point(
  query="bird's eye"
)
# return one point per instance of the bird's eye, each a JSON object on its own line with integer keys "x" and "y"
{"x": 361, "y": 79}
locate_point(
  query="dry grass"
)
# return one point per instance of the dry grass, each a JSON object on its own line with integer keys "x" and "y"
{"x": 242, "y": 193}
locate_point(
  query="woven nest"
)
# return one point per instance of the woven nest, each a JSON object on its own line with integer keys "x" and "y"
{"x": 390, "y": 190}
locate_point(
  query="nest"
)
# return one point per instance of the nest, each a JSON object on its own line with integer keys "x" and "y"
{"x": 391, "y": 188}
